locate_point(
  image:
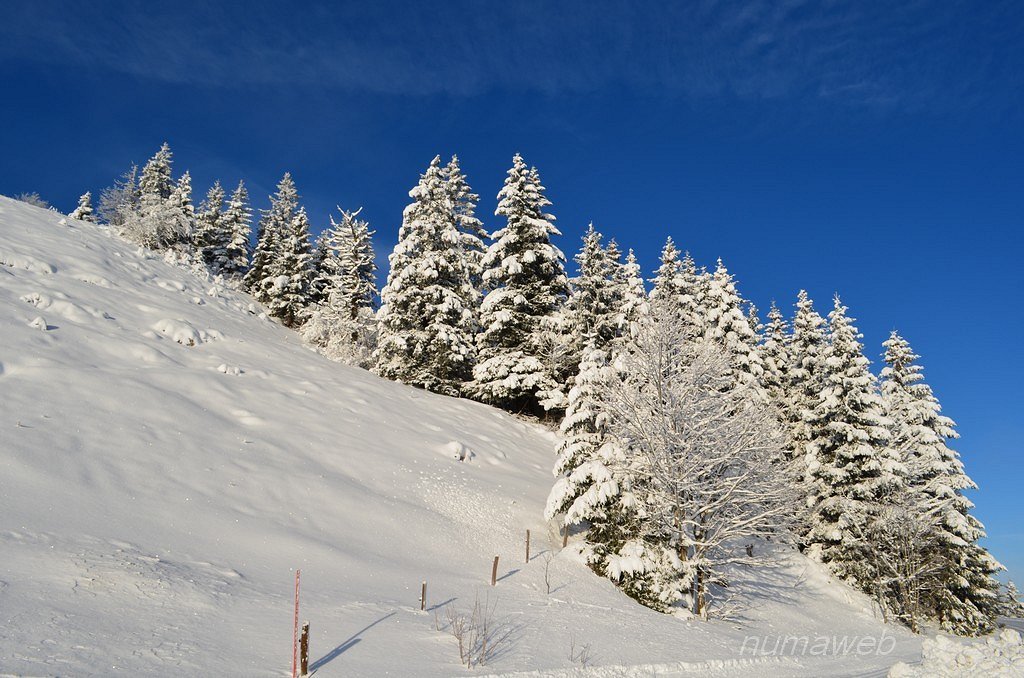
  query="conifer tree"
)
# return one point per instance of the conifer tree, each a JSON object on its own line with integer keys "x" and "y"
{"x": 158, "y": 222}
{"x": 474, "y": 236}
{"x": 591, "y": 306}
{"x": 84, "y": 211}
{"x": 919, "y": 434}
{"x": 631, "y": 296}
{"x": 210, "y": 234}
{"x": 775, "y": 359}
{"x": 850, "y": 465}
{"x": 229, "y": 256}
{"x": 343, "y": 324}
{"x": 668, "y": 279}
{"x": 180, "y": 209}
{"x": 274, "y": 224}
{"x": 804, "y": 378}
{"x": 730, "y": 328}
{"x": 524, "y": 273}
{"x": 425, "y": 324}
{"x": 286, "y": 286}
{"x": 119, "y": 204}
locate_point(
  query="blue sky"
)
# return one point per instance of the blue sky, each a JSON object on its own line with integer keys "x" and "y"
{"x": 870, "y": 149}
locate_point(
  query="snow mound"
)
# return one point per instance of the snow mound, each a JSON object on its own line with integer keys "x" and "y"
{"x": 944, "y": 657}
{"x": 184, "y": 332}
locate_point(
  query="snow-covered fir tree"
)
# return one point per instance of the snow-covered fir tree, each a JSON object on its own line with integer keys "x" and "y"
{"x": 1012, "y": 606}
{"x": 919, "y": 433}
{"x": 677, "y": 282}
{"x": 425, "y": 323}
{"x": 804, "y": 379}
{"x": 519, "y": 349}
{"x": 632, "y": 298}
{"x": 592, "y": 305}
{"x": 119, "y": 204}
{"x": 775, "y": 359}
{"x": 286, "y": 286}
{"x": 158, "y": 222}
{"x": 730, "y": 328}
{"x": 209, "y": 233}
{"x": 230, "y": 254}
{"x": 180, "y": 209}
{"x": 474, "y": 236}
{"x": 274, "y": 224}
{"x": 84, "y": 211}
{"x": 850, "y": 466}
{"x": 667, "y": 283}
{"x": 343, "y": 324}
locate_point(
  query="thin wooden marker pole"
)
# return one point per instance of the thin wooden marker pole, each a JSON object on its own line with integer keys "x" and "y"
{"x": 295, "y": 627}
{"x": 527, "y": 546}
{"x": 565, "y": 536}
{"x": 494, "y": 572}
{"x": 304, "y": 651}
{"x": 423, "y": 597}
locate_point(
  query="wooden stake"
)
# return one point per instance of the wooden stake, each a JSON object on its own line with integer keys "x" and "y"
{"x": 494, "y": 572}
{"x": 423, "y": 597}
{"x": 295, "y": 625}
{"x": 527, "y": 546}
{"x": 304, "y": 651}
{"x": 565, "y": 536}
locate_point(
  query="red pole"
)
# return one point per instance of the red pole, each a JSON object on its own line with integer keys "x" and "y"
{"x": 295, "y": 627}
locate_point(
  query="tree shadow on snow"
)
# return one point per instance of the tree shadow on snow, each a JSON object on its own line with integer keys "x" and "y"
{"x": 346, "y": 645}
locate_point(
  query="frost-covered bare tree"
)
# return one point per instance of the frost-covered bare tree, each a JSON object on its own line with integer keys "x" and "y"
{"x": 703, "y": 456}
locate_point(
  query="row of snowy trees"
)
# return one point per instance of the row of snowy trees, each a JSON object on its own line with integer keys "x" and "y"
{"x": 327, "y": 288}
{"x": 690, "y": 429}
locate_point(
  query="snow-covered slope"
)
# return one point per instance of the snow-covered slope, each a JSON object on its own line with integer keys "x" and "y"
{"x": 168, "y": 457}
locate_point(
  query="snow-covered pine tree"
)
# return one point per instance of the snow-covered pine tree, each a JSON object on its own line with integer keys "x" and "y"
{"x": 679, "y": 284}
{"x": 919, "y": 434}
{"x": 525, "y": 275}
{"x": 274, "y": 224}
{"x": 425, "y": 324}
{"x": 474, "y": 236}
{"x": 181, "y": 210}
{"x": 286, "y": 286}
{"x": 343, "y": 324}
{"x": 84, "y": 211}
{"x": 209, "y": 234}
{"x": 775, "y": 359}
{"x": 804, "y": 378}
{"x": 667, "y": 283}
{"x": 850, "y": 465}
{"x": 591, "y": 307}
{"x": 156, "y": 223}
{"x": 632, "y": 299}
{"x": 119, "y": 204}
{"x": 1012, "y": 606}
{"x": 230, "y": 257}
{"x": 730, "y": 328}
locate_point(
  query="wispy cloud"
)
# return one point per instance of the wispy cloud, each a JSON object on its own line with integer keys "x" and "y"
{"x": 886, "y": 54}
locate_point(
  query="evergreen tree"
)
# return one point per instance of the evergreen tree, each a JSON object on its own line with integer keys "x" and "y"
{"x": 919, "y": 433}
{"x": 343, "y": 324}
{"x": 274, "y": 224}
{"x": 850, "y": 465}
{"x": 775, "y": 358}
{"x": 591, "y": 306}
{"x": 804, "y": 377}
{"x": 631, "y": 296}
{"x": 158, "y": 222}
{"x": 286, "y": 287}
{"x": 84, "y": 211}
{"x": 668, "y": 279}
{"x": 474, "y": 236}
{"x": 728, "y": 326}
{"x": 210, "y": 234}
{"x": 425, "y": 324}
{"x": 119, "y": 204}
{"x": 180, "y": 209}
{"x": 519, "y": 345}
{"x": 229, "y": 254}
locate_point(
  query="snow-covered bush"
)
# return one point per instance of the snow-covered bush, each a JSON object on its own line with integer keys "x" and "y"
{"x": 944, "y": 657}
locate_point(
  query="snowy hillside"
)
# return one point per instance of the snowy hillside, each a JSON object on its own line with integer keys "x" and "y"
{"x": 168, "y": 457}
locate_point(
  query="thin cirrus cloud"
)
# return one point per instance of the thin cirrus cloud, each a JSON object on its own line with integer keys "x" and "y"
{"x": 891, "y": 54}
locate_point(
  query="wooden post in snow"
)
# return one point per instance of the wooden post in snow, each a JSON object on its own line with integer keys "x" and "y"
{"x": 423, "y": 597}
{"x": 565, "y": 536}
{"x": 304, "y": 651}
{"x": 527, "y": 546}
{"x": 494, "y": 572}
{"x": 295, "y": 627}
